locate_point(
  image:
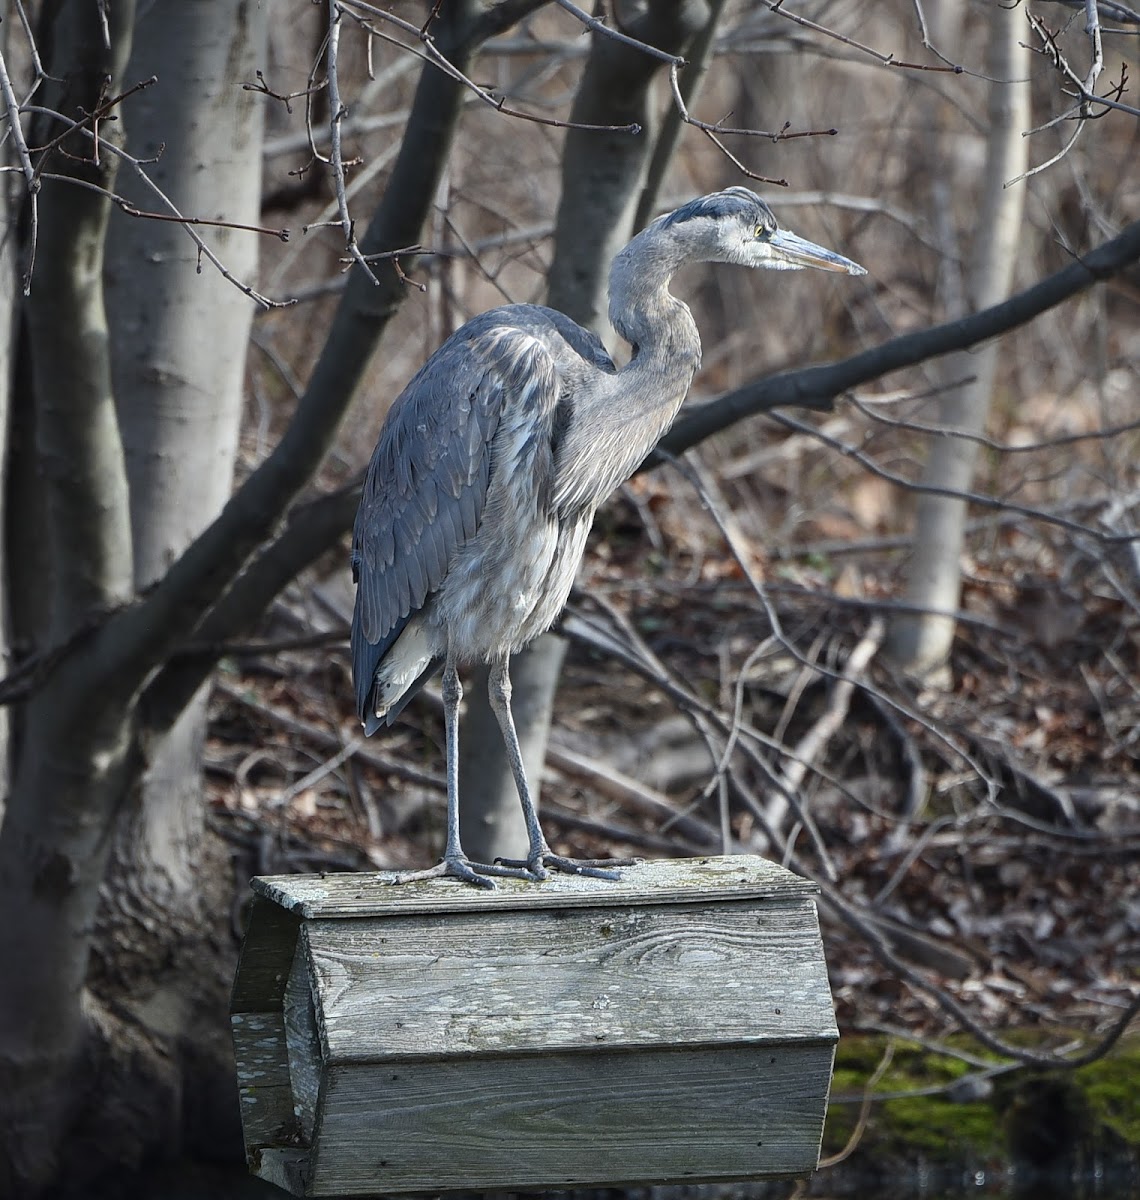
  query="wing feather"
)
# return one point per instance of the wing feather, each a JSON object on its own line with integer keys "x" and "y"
{"x": 427, "y": 482}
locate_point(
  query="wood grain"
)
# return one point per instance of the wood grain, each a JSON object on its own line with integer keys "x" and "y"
{"x": 258, "y": 1027}
{"x": 302, "y": 1039}
{"x": 727, "y": 877}
{"x": 510, "y": 982}
{"x": 266, "y": 955}
{"x": 265, "y": 1092}
{"x": 567, "y": 1120}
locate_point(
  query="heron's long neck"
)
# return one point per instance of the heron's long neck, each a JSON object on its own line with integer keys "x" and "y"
{"x": 656, "y": 324}
{"x": 662, "y": 332}
{"x": 619, "y": 418}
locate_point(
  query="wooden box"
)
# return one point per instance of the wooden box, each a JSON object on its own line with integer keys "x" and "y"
{"x": 674, "y": 1026}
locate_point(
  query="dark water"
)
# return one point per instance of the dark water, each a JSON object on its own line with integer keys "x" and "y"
{"x": 1117, "y": 1181}
{"x": 1120, "y": 1181}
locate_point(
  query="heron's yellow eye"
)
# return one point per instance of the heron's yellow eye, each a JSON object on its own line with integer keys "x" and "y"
{"x": 761, "y": 232}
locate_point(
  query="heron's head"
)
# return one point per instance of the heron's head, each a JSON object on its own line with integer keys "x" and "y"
{"x": 736, "y": 226}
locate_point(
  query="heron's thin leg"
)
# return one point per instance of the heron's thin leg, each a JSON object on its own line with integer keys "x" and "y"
{"x": 452, "y": 698}
{"x": 455, "y": 863}
{"x": 540, "y": 856}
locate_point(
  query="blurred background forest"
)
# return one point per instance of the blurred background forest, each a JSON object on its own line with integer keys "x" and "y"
{"x": 879, "y": 619}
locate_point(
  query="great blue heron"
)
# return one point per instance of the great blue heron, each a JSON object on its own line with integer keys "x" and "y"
{"x": 489, "y": 468}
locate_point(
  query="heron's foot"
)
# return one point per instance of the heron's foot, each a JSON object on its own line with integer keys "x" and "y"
{"x": 539, "y": 865}
{"x": 459, "y": 866}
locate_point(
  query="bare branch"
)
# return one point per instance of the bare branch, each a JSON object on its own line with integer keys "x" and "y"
{"x": 817, "y": 387}
{"x": 1033, "y": 513}
{"x": 864, "y": 927}
{"x": 213, "y": 563}
{"x": 12, "y": 106}
{"x": 597, "y": 26}
{"x": 138, "y": 166}
{"x": 887, "y": 60}
{"x": 496, "y": 102}
{"x": 337, "y": 114}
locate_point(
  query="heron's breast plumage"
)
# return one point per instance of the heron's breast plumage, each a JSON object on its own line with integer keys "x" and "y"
{"x": 508, "y": 583}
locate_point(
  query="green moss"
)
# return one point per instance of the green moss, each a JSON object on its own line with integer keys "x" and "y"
{"x": 1028, "y": 1116}
{"x": 933, "y": 1125}
{"x": 1112, "y": 1087}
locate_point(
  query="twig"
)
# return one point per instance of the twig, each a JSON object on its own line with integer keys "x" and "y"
{"x": 927, "y": 489}
{"x": 780, "y": 135}
{"x": 127, "y": 207}
{"x": 631, "y": 793}
{"x": 337, "y": 114}
{"x": 1085, "y": 87}
{"x": 89, "y": 124}
{"x": 739, "y": 553}
{"x": 12, "y": 105}
{"x": 868, "y": 409}
{"x": 808, "y": 748}
{"x": 865, "y": 1106}
{"x": 623, "y": 834}
{"x": 952, "y": 1005}
{"x": 14, "y": 112}
{"x": 579, "y": 628}
{"x": 324, "y": 738}
{"x": 433, "y": 55}
{"x": 282, "y": 799}
{"x": 264, "y": 89}
{"x": 887, "y": 60}
{"x": 137, "y": 166}
{"x": 33, "y": 50}
{"x": 597, "y": 26}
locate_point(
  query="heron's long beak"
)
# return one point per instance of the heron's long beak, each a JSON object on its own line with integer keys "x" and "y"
{"x": 799, "y": 252}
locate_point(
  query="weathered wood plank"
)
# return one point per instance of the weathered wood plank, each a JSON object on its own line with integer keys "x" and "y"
{"x": 704, "y": 880}
{"x": 303, "y": 1038}
{"x": 287, "y": 1169}
{"x": 266, "y": 956}
{"x": 264, "y": 1089}
{"x": 567, "y": 1120}
{"x": 509, "y": 982}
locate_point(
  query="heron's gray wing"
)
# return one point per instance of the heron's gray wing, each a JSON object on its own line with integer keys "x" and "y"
{"x": 426, "y": 485}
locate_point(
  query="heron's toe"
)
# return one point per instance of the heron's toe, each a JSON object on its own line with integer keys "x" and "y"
{"x": 454, "y": 867}
{"x": 592, "y": 868}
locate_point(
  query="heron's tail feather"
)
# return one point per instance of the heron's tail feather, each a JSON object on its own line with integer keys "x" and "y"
{"x": 390, "y": 673}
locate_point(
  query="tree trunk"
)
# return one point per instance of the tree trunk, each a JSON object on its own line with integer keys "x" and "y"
{"x": 602, "y": 177}
{"x": 179, "y": 346}
{"x": 74, "y": 748}
{"x": 9, "y": 273}
{"x": 921, "y": 643}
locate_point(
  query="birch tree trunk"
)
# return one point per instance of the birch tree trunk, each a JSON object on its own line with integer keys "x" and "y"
{"x": 920, "y": 643}
{"x": 178, "y": 357}
{"x": 602, "y": 178}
